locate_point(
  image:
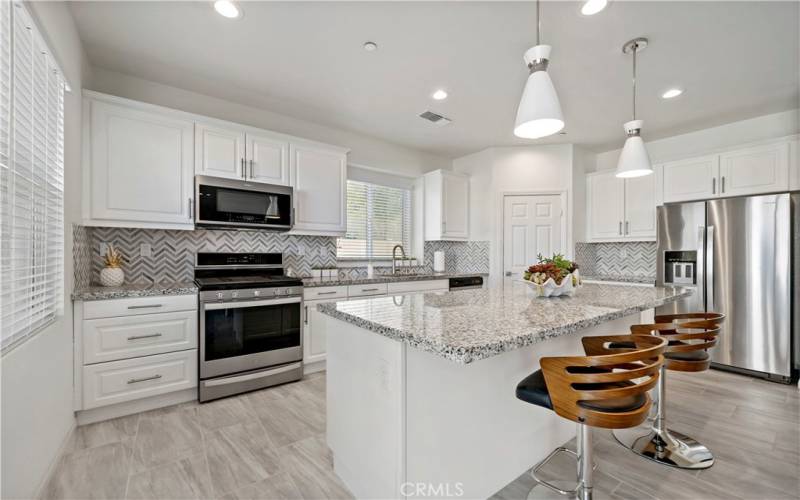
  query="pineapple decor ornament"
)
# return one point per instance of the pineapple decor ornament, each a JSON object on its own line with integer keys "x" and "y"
{"x": 112, "y": 274}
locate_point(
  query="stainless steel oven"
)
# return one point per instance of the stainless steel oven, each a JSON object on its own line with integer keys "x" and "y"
{"x": 242, "y": 204}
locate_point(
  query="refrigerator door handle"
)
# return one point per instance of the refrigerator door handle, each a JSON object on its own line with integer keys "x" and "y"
{"x": 701, "y": 265}
{"x": 710, "y": 268}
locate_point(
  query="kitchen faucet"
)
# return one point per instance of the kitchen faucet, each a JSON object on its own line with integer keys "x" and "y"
{"x": 394, "y": 253}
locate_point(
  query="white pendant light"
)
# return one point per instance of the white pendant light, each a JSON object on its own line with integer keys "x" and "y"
{"x": 539, "y": 112}
{"x": 634, "y": 160}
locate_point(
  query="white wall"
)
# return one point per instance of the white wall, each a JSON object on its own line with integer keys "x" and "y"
{"x": 708, "y": 140}
{"x": 495, "y": 172}
{"x": 364, "y": 151}
{"x": 37, "y": 412}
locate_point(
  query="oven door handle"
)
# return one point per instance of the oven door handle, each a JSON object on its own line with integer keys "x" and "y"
{"x": 212, "y": 306}
{"x": 250, "y": 376}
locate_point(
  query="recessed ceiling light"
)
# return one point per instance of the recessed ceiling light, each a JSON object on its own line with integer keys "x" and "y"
{"x": 669, "y": 94}
{"x": 227, "y": 8}
{"x": 592, "y": 7}
{"x": 370, "y": 46}
{"x": 440, "y": 95}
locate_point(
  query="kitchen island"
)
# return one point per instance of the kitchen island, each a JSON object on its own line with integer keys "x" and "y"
{"x": 420, "y": 388}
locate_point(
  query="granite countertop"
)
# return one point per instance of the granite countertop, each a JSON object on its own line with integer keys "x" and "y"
{"x": 468, "y": 325}
{"x": 97, "y": 292}
{"x": 334, "y": 281}
{"x": 650, "y": 280}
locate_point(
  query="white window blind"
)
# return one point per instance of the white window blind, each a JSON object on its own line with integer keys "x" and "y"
{"x": 31, "y": 178}
{"x": 378, "y": 218}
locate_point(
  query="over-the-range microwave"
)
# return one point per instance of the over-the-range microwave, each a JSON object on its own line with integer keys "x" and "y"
{"x": 241, "y": 204}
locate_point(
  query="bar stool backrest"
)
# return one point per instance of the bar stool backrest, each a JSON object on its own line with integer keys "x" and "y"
{"x": 593, "y": 389}
{"x": 686, "y": 333}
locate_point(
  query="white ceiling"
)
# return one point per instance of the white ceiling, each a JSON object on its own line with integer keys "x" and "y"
{"x": 735, "y": 59}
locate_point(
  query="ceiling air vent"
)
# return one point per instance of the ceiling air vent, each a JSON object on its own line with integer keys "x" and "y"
{"x": 434, "y": 118}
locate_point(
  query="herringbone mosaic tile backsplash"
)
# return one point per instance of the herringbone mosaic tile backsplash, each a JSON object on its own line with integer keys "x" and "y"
{"x": 172, "y": 252}
{"x": 633, "y": 259}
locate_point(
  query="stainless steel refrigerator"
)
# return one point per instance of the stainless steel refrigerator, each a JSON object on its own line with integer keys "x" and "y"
{"x": 741, "y": 255}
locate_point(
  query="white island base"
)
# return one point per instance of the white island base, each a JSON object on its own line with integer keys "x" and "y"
{"x": 404, "y": 423}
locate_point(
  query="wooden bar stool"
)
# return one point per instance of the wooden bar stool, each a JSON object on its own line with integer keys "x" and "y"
{"x": 606, "y": 388}
{"x": 690, "y": 335}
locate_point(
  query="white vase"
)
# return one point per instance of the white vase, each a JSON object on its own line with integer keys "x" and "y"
{"x": 112, "y": 276}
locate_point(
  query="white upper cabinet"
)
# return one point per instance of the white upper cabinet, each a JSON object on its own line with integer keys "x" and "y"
{"x": 267, "y": 159}
{"x": 606, "y": 206}
{"x": 758, "y": 169}
{"x": 446, "y": 206}
{"x": 691, "y": 179}
{"x": 318, "y": 174}
{"x": 219, "y": 151}
{"x": 138, "y": 165}
{"x": 620, "y": 209}
{"x": 640, "y": 207}
{"x": 755, "y": 170}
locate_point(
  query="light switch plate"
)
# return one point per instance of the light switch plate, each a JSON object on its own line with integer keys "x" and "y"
{"x": 145, "y": 250}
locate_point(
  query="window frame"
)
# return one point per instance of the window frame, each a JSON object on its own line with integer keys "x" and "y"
{"x": 407, "y": 230}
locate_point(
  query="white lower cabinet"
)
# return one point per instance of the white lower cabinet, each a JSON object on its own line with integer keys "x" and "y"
{"x": 137, "y": 378}
{"x": 134, "y": 352}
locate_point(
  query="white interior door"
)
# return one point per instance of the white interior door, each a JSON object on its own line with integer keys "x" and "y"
{"x": 532, "y": 225}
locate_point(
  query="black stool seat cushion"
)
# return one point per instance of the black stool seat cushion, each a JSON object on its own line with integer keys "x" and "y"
{"x": 533, "y": 389}
{"x": 687, "y": 355}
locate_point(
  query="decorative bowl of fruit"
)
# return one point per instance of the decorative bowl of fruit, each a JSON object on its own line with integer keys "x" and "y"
{"x": 553, "y": 277}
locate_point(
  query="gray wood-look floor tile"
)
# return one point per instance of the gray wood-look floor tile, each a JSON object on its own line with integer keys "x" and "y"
{"x": 277, "y": 487}
{"x": 165, "y": 436}
{"x": 186, "y": 478}
{"x": 99, "y": 472}
{"x": 239, "y": 455}
{"x": 270, "y": 444}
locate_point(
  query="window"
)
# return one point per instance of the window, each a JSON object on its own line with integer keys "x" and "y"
{"x": 31, "y": 178}
{"x": 378, "y": 218}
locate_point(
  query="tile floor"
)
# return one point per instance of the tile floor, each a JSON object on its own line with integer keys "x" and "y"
{"x": 270, "y": 445}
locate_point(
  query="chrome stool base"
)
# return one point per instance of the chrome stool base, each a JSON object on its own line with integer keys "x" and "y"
{"x": 544, "y": 490}
{"x": 665, "y": 447}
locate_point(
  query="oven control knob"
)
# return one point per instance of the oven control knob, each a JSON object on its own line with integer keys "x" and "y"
{"x": 219, "y": 295}
{"x": 234, "y": 295}
{"x": 257, "y": 293}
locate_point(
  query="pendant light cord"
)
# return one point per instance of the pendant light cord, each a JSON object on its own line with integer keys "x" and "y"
{"x": 538, "y": 23}
{"x": 635, "y": 49}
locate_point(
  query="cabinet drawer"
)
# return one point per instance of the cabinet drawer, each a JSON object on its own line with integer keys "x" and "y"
{"x": 138, "y": 305}
{"x": 365, "y": 290}
{"x": 129, "y": 379}
{"x": 109, "y": 339}
{"x": 325, "y": 292}
{"x": 418, "y": 286}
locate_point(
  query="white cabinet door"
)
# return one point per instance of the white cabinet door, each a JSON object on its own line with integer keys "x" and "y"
{"x": 762, "y": 169}
{"x": 314, "y": 334}
{"x": 319, "y": 178}
{"x": 691, "y": 179}
{"x": 455, "y": 206}
{"x": 219, "y": 151}
{"x": 140, "y": 167}
{"x": 606, "y": 206}
{"x": 267, "y": 159}
{"x": 640, "y": 207}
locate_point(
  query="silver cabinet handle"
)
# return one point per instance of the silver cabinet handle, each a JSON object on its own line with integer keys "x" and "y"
{"x": 190, "y": 209}
{"x": 370, "y": 289}
{"x": 627, "y": 227}
{"x": 149, "y": 306}
{"x": 244, "y": 170}
{"x": 305, "y": 321}
{"x": 713, "y": 185}
{"x": 620, "y": 228}
{"x": 151, "y": 336}
{"x": 137, "y": 380}
{"x": 444, "y": 227}
{"x": 723, "y": 183}
{"x": 252, "y": 172}
{"x": 326, "y": 293}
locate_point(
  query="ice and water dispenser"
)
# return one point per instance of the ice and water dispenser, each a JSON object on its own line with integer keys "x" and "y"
{"x": 680, "y": 267}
